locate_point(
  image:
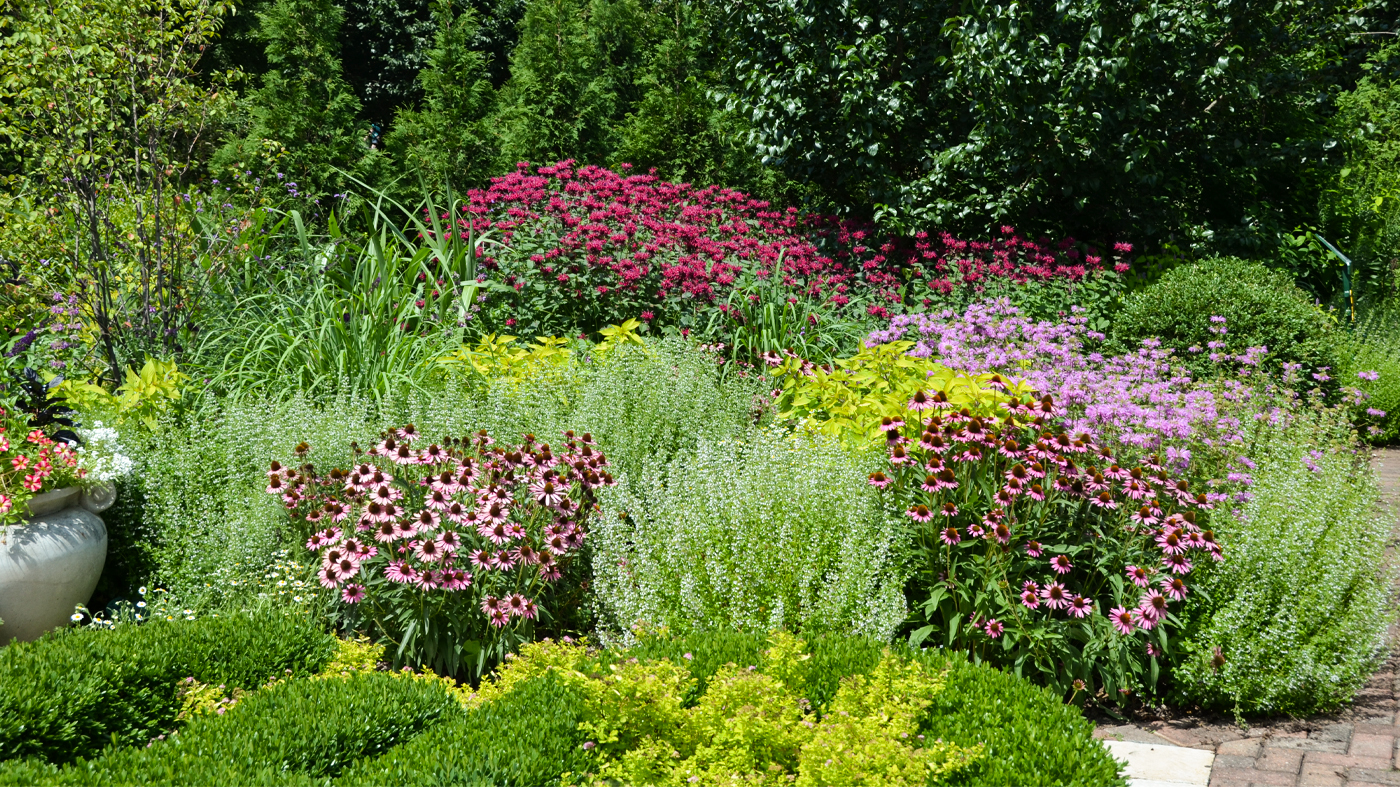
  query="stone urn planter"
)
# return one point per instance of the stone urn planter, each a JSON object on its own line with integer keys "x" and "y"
{"x": 51, "y": 560}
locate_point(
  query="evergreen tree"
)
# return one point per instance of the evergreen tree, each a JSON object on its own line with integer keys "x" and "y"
{"x": 556, "y": 104}
{"x": 302, "y": 121}
{"x": 445, "y": 140}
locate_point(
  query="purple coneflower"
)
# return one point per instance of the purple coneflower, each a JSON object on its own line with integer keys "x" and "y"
{"x": 1002, "y": 533}
{"x": 1033, "y": 548}
{"x": 919, "y": 513}
{"x": 1030, "y": 599}
{"x": 994, "y": 628}
{"x": 1153, "y": 605}
{"x": 1175, "y": 588}
{"x": 515, "y": 604}
{"x": 975, "y": 531}
{"x": 353, "y": 594}
{"x": 1123, "y": 620}
{"x": 1054, "y": 596}
{"x": 328, "y": 577}
{"x": 1060, "y": 564}
{"x": 920, "y": 402}
{"x": 1139, "y": 576}
{"x": 950, "y": 536}
{"x": 1080, "y": 607}
{"x": 1177, "y": 564}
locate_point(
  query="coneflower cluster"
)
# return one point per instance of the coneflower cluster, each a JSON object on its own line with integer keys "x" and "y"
{"x": 459, "y": 516}
{"x": 1064, "y": 525}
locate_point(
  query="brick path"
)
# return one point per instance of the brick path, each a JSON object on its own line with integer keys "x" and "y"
{"x": 1355, "y": 747}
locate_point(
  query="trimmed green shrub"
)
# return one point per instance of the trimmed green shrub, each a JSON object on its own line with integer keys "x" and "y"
{"x": 1029, "y": 735}
{"x": 72, "y": 693}
{"x": 1295, "y": 620}
{"x": 1260, "y": 307}
{"x": 287, "y": 734}
{"x": 528, "y": 737}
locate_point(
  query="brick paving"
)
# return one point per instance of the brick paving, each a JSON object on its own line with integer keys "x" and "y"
{"x": 1356, "y": 747}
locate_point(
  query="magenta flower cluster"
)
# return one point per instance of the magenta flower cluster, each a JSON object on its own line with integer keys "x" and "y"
{"x": 586, "y": 232}
{"x": 461, "y": 517}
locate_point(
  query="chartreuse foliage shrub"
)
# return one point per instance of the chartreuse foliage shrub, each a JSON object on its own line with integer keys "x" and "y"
{"x": 1261, "y": 307}
{"x": 296, "y": 732}
{"x": 856, "y": 399}
{"x": 732, "y": 704}
{"x": 1296, "y": 617}
{"x": 68, "y": 695}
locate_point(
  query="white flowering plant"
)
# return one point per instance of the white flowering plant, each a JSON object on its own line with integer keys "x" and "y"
{"x": 101, "y": 454}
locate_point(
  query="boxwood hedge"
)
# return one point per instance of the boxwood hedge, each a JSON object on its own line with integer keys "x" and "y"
{"x": 74, "y": 692}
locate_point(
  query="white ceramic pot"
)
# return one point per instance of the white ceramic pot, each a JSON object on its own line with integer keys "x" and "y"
{"x": 51, "y": 561}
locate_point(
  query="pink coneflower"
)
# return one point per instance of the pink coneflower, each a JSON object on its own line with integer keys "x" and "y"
{"x": 316, "y": 541}
{"x": 1030, "y": 599}
{"x": 1060, "y": 564}
{"x": 1033, "y": 548}
{"x": 948, "y": 509}
{"x": 1175, "y": 588}
{"x": 515, "y": 604}
{"x": 427, "y": 521}
{"x": 919, "y": 513}
{"x": 1139, "y": 576}
{"x": 930, "y": 483}
{"x": 547, "y": 493}
{"x": 384, "y": 532}
{"x": 432, "y": 455}
{"x": 336, "y": 511}
{"x": 549, "y": 568}
{"x": 328, "y": 577}
{"x": 1143, "y": 516}
{"x": 527, "y": 554}
{"x": 465, "y": 517}
{"x": 530, "y": 611}
{"x": 888, "y": 424}
{"x": 946, "y": 479}
{"x": 1137, "y": 490}
{"x": 1002, "y": 533}
{"x": 404, "y": 529}
{"x": 491, "y": 604}
{"x": 1152, "y": 651}
{"x": 1004, "y": 498}
{"x": 437, "y": 500}
{"x": 498, "y": 618}
{"x": 994, "y": 628}
{"x": 1177, "y": 564}
{"x": 427, "y": 550}
{"x": 950, "y": 536}
{"x": 449, "y": 541}
{"x": 898, "y": 455}
{"x": 1035, "y": 492}
{"x": 481, "y": 558}
{"x": 496, "y": 513}
{"x": 1080, "y": 607}
{"x": 1104, "y": 500}
{"x": 1153, "y": 606}
{"x": 921, "y": 401}
{"x": 1011, "y": 449}
{"x": 353, "y": 594}
{"x": 1054, "y": 596}
{"x": 934, "y": 442}
{"x": 1124, "y": 620}
{"x": 385, "y": 493}
{"x": 376, "y": 513}
{"x": 456, "y": 579}
{"x": 275, "y": 485}
{"x": 398, "y": 571}
{"x": 556, "y": 544}
{"x": 1172, "y": 542}
{"x": 497, "y": 532}
{"x": 976, "y": 531}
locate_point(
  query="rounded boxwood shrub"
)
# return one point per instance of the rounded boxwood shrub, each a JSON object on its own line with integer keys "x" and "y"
{"x": 1261, "y": 307}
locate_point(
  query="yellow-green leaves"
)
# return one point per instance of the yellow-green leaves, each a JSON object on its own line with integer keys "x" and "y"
{"x": 848, "y": 401}
{"x": 497, "y": 355}
{"x": 618, "y": 335}
{"x": 144, "y": 395}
